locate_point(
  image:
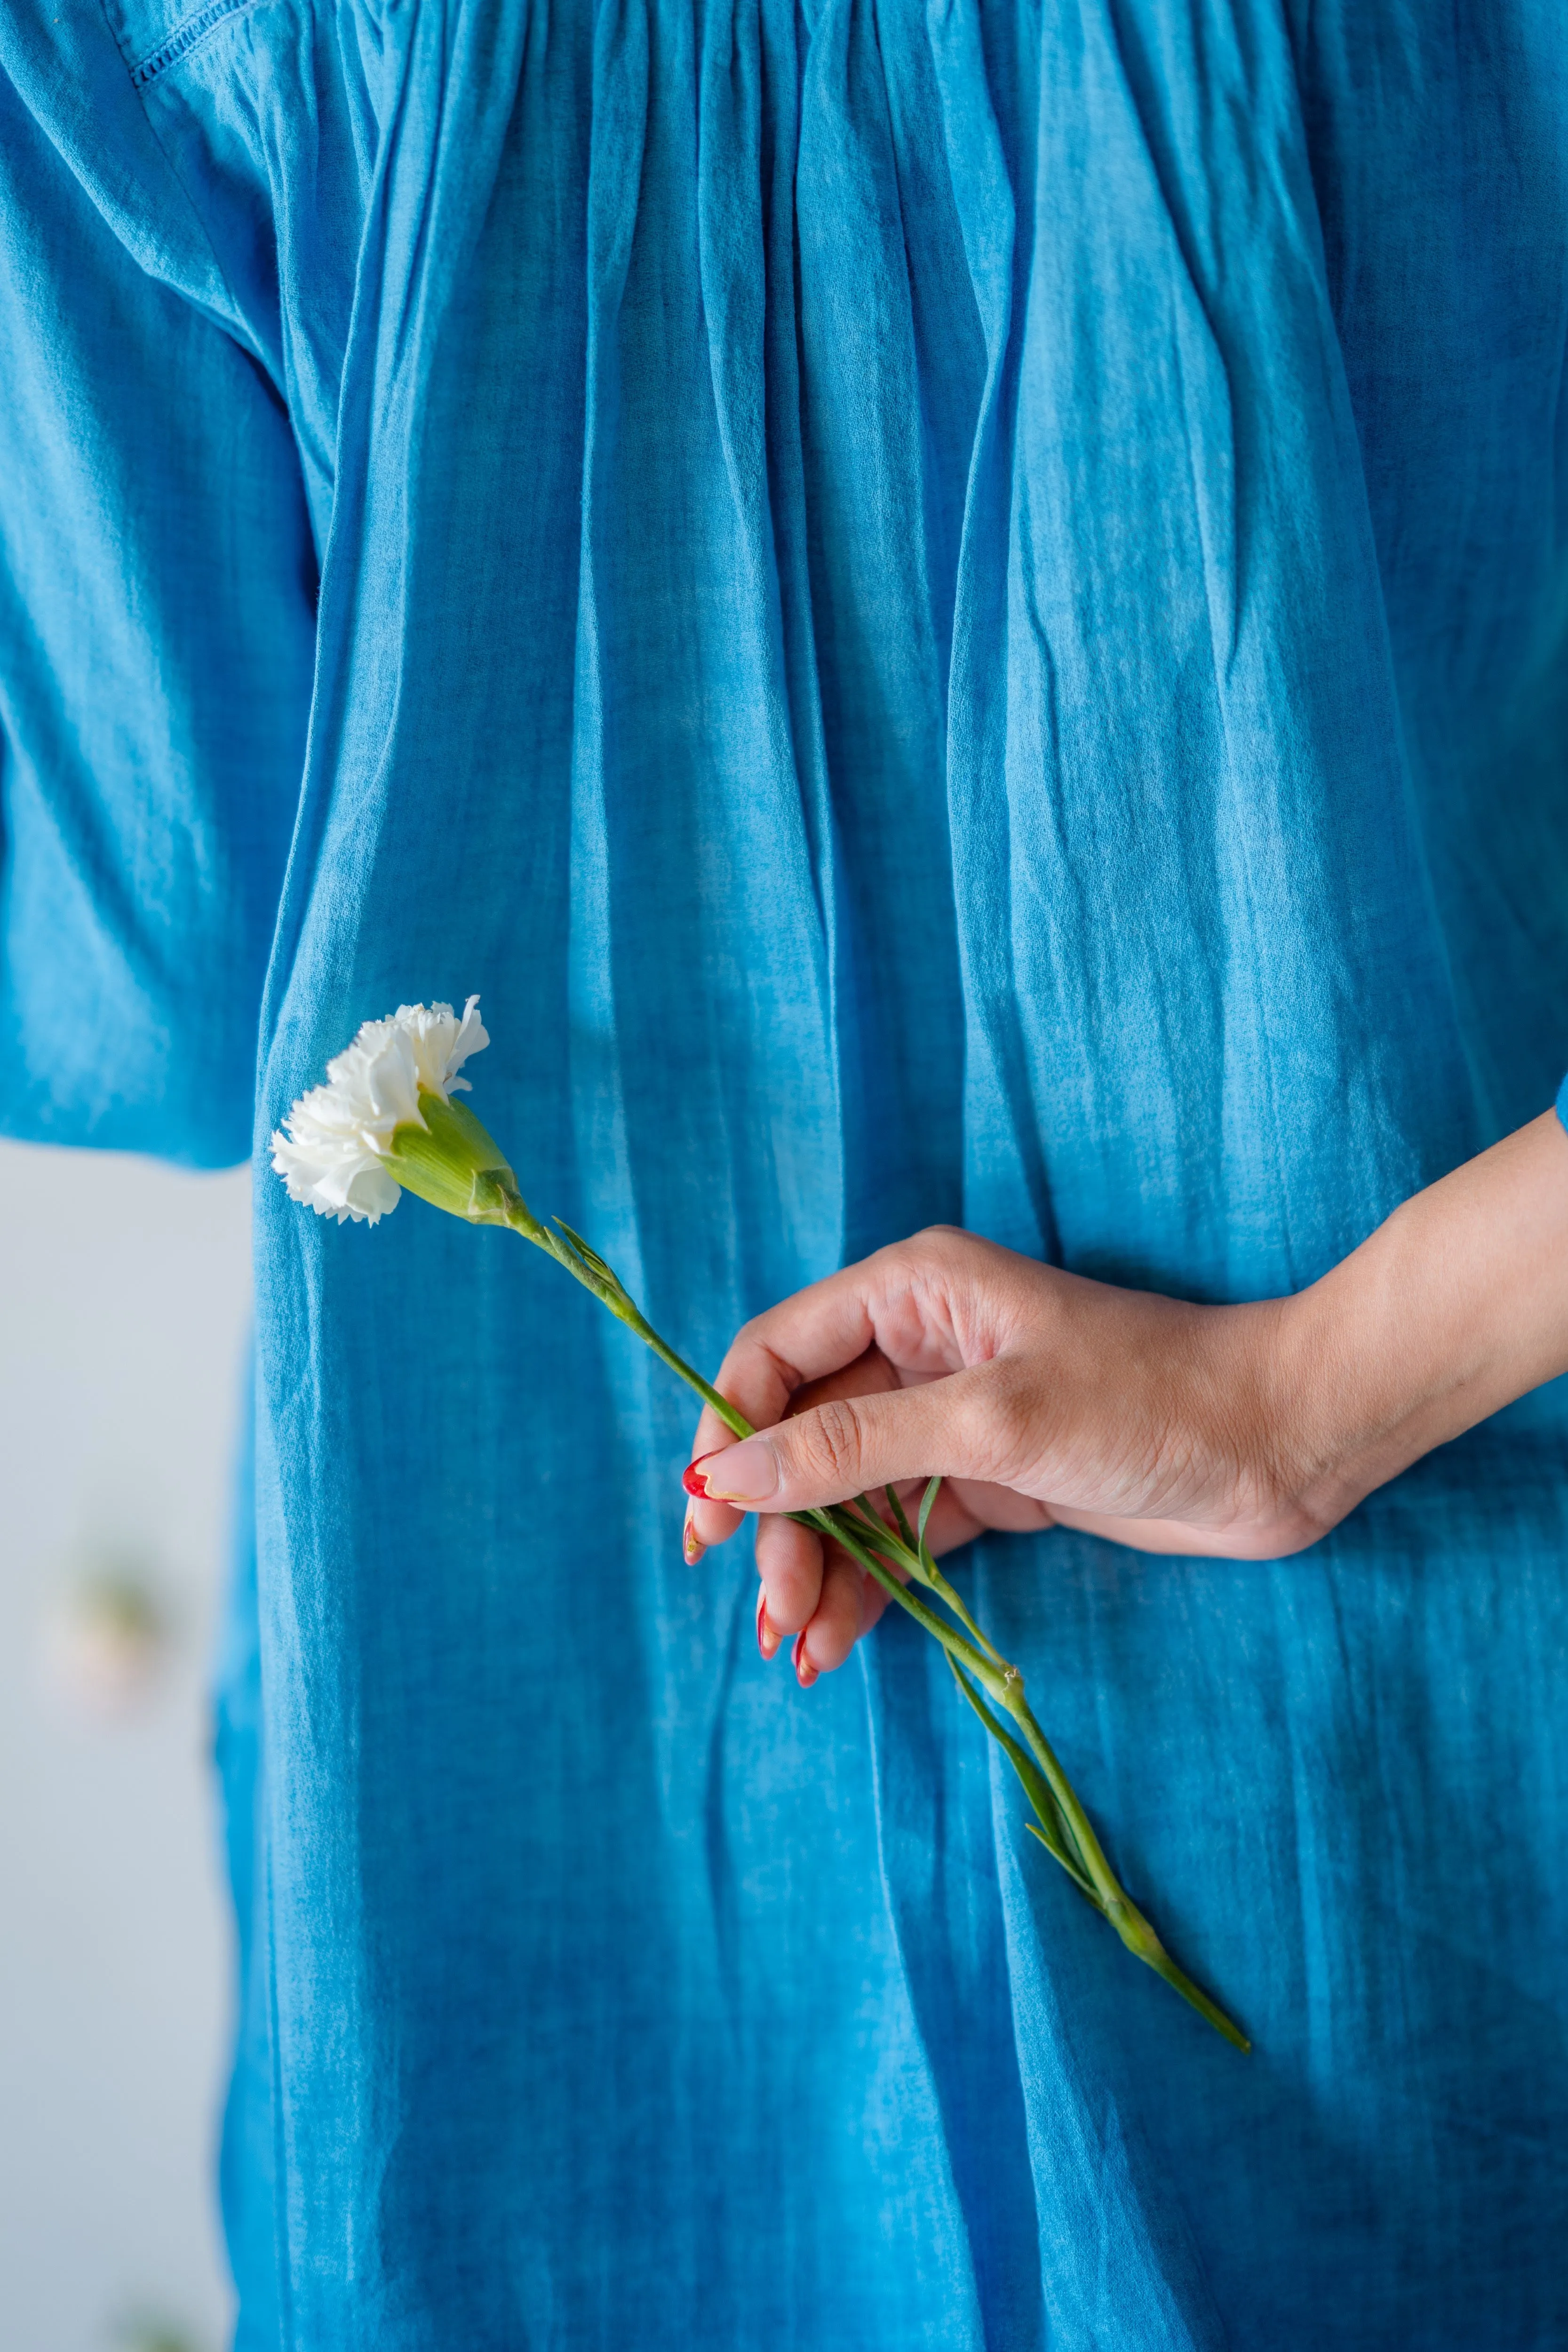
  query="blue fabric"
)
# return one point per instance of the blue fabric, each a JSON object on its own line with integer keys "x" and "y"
{"x": 247, "y": 2148}
{"x": 954, "y": 612}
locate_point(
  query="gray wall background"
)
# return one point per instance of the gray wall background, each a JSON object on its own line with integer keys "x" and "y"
{"x": 124, "y": 1307}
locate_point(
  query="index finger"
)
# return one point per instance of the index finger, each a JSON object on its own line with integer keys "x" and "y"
{"x": 928, "y": 1304}
{"x": 817, "y": 1331}
{"x": 761, "y": 1382}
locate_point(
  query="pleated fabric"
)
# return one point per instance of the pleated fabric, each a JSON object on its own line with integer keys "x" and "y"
{"x": 954, "y": 612}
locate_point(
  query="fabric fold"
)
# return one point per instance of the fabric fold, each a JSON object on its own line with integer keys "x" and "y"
{"x": 950, "y": 614}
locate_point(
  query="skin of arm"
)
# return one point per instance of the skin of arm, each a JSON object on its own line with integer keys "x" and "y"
{"x": 1047, "y": 1400}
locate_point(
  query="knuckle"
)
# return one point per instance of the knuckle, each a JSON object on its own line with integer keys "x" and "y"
{"x": 833, "y": 1441}
{"x": 950, "y": 1247}
{"x": 934, "y": 1250}
{"x": 998, "y": 1424}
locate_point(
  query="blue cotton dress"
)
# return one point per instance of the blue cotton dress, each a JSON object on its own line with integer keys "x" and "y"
{"x": 954, "y": 612}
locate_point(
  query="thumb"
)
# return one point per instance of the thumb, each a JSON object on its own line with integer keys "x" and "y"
{"x": 849, "y": 1444}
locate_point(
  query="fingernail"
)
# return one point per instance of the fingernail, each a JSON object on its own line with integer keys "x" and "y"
{"x": 749, "y": 1471}
{"x": 694, "y": 1478}
{"x": 693, "y": 1549}
{"x": 768, "y": 1634}
{"x": 805, "y": 1671}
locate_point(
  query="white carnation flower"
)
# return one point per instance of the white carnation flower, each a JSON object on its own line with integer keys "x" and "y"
{"x": 333, "y": 1149}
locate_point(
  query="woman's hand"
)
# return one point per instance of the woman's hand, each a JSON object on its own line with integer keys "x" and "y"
{"x": 1044, "y": 1399}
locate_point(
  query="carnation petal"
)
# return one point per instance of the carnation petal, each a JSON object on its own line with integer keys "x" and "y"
{"x": 441, "y": 1044}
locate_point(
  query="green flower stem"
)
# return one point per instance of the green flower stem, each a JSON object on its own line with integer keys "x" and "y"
{"x": 917, "y": 1561}
{"x": 1049, "y": 1828}
{"x": 585, "y": 1266}
{"x": 1004, "y": 1685}
{"x": 1123, "y": 1913}
{"x": 940, "y": 1586}
{"x": 1065, "y": 1827}
{"x": 839, "y": 1530}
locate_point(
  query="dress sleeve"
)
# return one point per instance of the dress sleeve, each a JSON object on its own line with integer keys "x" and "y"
{"x": 157, "y": 586}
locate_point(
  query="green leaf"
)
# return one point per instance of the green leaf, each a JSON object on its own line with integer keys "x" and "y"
{"x": 926, "y": 1500}
{"x": 589, "y": 1256}
{"x": 877, "y": 1535}
{"x": 1053, "y": 1833}
{"x": 904, "y": 1529}
{"x": 1057, "y": 1855}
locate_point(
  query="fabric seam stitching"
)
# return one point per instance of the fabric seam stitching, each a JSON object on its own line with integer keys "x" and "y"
{"x": 185, "y": 38}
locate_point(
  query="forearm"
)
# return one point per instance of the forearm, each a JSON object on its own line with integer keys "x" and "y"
{"x": 1453, "y": 1308}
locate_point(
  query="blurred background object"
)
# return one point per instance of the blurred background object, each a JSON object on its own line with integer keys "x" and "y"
{"x": 124, "y": 1311}
{"x": 153, "y": 2335}
{"x": 107, "y": 1638}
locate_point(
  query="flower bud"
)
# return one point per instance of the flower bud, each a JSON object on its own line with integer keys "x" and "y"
{"x": 453, "y": 1162}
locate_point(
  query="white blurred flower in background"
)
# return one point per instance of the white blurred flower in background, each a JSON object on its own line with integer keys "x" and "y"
{"x": 107, "y": 1640}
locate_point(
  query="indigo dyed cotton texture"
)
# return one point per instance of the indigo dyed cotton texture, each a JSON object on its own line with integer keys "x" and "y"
{"x": 953, "y": 612}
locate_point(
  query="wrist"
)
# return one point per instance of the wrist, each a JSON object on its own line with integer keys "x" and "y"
{"x": 1348, "y": 1386}
{"x": 1456, "y": 1304}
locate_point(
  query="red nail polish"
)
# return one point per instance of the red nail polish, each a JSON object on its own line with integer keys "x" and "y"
{"x": 690, "y": 1547}
{"x": 767, "y": 1638}
{"x": 694, "y": 1478}
{"x": 805, "y": 1671}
